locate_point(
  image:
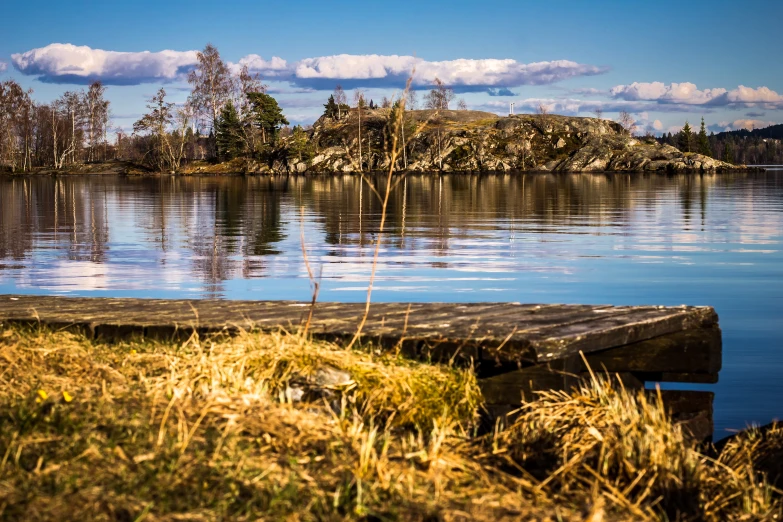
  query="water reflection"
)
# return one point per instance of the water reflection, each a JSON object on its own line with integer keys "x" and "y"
{"x": 589, "y": 238}
{"x": 209, "y": 231}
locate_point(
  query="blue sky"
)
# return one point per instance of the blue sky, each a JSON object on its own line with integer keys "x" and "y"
{"x": 663, "y": 61}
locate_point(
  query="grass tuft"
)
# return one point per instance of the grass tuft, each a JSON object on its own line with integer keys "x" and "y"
{"x": 211, "y": 429}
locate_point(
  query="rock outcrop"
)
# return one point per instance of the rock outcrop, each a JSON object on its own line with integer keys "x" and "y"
{"x": 480, "y": 141}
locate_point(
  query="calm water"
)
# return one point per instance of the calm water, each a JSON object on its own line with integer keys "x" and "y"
{"x": 609, "y": 239}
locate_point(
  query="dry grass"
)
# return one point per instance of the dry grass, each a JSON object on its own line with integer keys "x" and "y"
{"x": 624, "y": 448}
{"x": 206, "y": 430}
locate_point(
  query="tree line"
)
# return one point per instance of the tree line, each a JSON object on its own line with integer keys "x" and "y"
{"x": 226, "y": 115}
{"x": 742, "y": 147}
{"x": 74, "y": 128}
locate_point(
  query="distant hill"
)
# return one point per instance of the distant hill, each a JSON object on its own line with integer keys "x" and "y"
{"x": 772, "y": 132}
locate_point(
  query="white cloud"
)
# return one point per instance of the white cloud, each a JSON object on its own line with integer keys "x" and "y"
{"x": 657, "y": 91}
{"x": 3, "y": 66}
{"x": 643, "y": 124}
{"x": 267, "y": 68}
{"x": 356, "y": 67}
{"x": 748, "y": 124}
{"x": 588, "y": 91}
{"x": 67, "y": 63}
{"x": 462, "y": 74}
{"x": 689, "y": 94}
{"x": 744, "y": 94}
{"x": 571, "y": 107}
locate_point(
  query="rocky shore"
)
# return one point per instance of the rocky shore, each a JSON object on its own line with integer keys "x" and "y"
{"x": 449, "y": 141}
{"x": 452, "y": 141}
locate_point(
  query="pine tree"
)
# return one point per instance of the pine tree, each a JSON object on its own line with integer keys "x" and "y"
{"x": 300, "y": 145}
{"x": 703, "y": 141}
{"x": 229, "y": 134}
{"x": 267, "y": 115}
{"x": 685, "y": 141}
{"x": 331, "y": 108}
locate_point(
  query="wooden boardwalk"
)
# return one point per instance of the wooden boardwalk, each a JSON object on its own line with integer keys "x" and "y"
{"x": 517, "y": 349}
{"x": 502, "y": 332}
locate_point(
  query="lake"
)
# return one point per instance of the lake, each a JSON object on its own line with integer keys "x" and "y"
{"x": 622, "y": 239}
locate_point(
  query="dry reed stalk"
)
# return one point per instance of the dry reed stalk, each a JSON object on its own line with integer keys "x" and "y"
{"x": 316, "y": 284}
{"x": 384, "y": 199}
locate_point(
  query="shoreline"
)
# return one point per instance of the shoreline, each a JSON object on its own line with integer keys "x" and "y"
{"x": 442, "y": 142}
{"x": 122, "y": 168}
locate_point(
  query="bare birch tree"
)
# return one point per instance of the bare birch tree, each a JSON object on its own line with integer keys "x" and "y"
{"x": 246, "y": 84}
{"x": 65, "y": 125}
{"x": 211, "y": 81}
{"x": 438, "y": 99}
{"x": 628, "y": 122}
{"x": 15, "y": 109}
{"x": 411, "y": 100}
{"x": 95, "y": 105}
{"x": 340, "y": 100}
{"x": 543, "y": 114}
{"x": 167, "y": 148}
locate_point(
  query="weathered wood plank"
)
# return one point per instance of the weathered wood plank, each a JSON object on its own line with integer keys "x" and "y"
{"x": 693, "y": 410}
{"x": 618, "y": 330}
{"x": 521, "y": 385}
{"x": 696, "y": 351}
{"x": 527, "y": 333}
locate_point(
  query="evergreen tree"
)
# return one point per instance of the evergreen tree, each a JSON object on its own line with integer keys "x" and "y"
{"x": 703, "y": 141}
{"x": 229, "y": 134}
{"x": 266, "y": 115}
{"x": 685, "y": 141}
{"x": 300, "y": 144}
{"x": 728, "y": 157}
{"x": 210, "y": 144}
{"x": 331, "y": 108}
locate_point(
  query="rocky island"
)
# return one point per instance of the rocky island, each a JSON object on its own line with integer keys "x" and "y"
{"x": 454, "y": 141}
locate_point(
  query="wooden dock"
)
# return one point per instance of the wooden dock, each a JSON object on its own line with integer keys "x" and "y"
{"x": 516, "y": 348}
